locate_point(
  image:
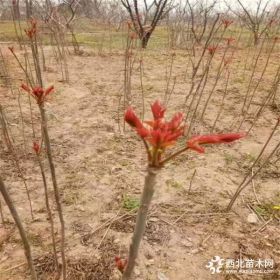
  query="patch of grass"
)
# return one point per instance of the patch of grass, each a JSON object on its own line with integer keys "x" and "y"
{"x": 35, "y": 239}
{"x": 7, "y": 31}
{"x": 125, "y": 162}
{"x": 173, "y": 184}
{"x": 71, "y": 198}
{"x": 267, "y": 210}
{"x": 148, "y": 87}
{"x": 130, "y": 203}
{"x": 239, "y": 80}
{"x": 228, "y": 158}
{"x": 249, "y": 158}
{"x": 247, "y": 161}
{"x": 261, "y": 210}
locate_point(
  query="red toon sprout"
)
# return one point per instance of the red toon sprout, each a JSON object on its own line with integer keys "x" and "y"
{"x": 121, "y": 264}
{"x": 36, "y": 147}
{"x": 159, "y": 134}
{"x": 32, "y": 30}
{"x": 212, "y": 50}
{"x": 38, "y": 93}
{"x": 227, "y": 22}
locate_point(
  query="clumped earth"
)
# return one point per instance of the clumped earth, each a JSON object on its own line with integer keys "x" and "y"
{"x": 101, "y": 168}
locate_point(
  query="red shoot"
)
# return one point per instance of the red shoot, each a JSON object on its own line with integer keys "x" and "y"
{"x": 230, "y": 40}
{"x": 36, "y": 148}
{"x": 159, "y": 134}
{"x": 38, "y": 93}
{"x": 227, "y": 22}
{"x": 32, "y": 30}
{"x": 121, "y": 264}
{"x": 212, "y": 50}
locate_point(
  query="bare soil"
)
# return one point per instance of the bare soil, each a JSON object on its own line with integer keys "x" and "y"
{"x": 99, "y": 165}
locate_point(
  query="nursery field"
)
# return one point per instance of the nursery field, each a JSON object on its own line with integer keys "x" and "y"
{"x": 101, "y": 163}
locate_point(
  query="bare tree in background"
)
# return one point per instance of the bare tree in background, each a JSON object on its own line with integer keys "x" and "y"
{"x": 145, "y": 17}
{"x": 91, "y": 8}
{"x": 108, "y": 12}
{"x": 178, "y": 24}
{"x": 28, "y": 6}
{"x": 72, "y": 6}
{"x": 5, "y": 7}
{"x": 200, "y": 14}
{"x": 257, "y": 20}
{"x": 63, "y": 17}
{"x": 16, "y": 10}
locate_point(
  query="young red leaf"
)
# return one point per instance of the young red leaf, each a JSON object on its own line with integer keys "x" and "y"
{"x": 49, "y": 90}
{"x": 195, "y": 142}
{"x": 131, "y": 118}
{"x": 25, "y": 87}
{"x": 158, "y": 110}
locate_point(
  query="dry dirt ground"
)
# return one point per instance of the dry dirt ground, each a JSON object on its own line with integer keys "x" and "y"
{"x": 101, "y": 169}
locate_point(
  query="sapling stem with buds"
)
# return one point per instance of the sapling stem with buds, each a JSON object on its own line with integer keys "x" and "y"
{"x": 158, "y": 135}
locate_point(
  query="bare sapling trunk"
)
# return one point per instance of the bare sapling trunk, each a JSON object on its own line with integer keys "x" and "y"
{"x": 19, "y": 225}
{"x": 55, "y": 187}
{"x": 48, "y": 207}
{"x": 32, "y": 34}
{"x": 147, "y": 194}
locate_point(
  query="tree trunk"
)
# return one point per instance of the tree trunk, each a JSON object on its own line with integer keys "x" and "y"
{"x": 145, "y": 39}
{"x": 147, "y": 194}
{"x": 55, "y": 187}
{"x": 256, "y": 38}
{"x": 16, "y": 12}
{"x": 27, "y": 9}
